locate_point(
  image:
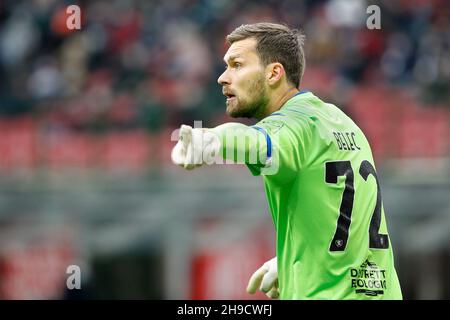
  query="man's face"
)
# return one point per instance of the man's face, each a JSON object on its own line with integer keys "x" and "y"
{"x": 243, "y": 80}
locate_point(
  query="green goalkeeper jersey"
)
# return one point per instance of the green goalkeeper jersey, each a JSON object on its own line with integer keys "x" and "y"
{"x": 325, "y": 200}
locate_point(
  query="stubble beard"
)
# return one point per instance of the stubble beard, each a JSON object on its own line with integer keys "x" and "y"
{"x": 252, "y": 107}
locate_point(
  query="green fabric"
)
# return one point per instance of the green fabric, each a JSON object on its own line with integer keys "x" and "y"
{"x": 305, "y": 135}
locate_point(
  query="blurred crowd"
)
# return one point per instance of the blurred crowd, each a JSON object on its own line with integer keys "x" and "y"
{"x": 153, "y": 64}
{"x": 109, "y": 95}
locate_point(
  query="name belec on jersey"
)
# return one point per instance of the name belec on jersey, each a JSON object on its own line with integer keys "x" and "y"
{"x": 346, "y": 141}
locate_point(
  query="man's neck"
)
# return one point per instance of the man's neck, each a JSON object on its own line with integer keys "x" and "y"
{"x": 278, "y": 100}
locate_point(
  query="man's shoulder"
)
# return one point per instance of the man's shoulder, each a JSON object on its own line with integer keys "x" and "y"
{"x": 292, "y": 113}
{"x": 303, "y": 107}
{"x": 282, "y": 123}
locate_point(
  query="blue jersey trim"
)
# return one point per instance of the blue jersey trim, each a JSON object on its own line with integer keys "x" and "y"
{"x": 276, "y": 114}
{"x": 268, "y": 140}
{"x": 301, "y": 92}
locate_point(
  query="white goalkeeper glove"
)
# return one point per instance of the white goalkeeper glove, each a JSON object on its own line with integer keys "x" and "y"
{"x": 195, "y": 147}
{"x": 266, "y": 279}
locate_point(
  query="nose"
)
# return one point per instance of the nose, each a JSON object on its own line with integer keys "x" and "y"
{"x": 223, "y": 79}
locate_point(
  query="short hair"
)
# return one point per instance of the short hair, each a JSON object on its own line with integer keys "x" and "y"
{"x": 275, "y": 43}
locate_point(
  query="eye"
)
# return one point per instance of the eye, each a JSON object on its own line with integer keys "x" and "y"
{"x": 237, "y": 65}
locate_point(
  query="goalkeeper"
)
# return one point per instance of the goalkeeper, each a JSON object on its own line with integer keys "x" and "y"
{"x": 320, "y": 179}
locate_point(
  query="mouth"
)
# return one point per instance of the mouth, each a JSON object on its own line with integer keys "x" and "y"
{"x": 230, "y": 96}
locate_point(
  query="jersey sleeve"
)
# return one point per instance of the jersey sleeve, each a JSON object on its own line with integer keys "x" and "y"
{"x": 283, "y": 148}
{"x": 242, "y": 144}
{"x": 270, "y": 147}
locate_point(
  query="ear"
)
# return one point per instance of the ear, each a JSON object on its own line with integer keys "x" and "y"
{"x": 274, "y": 73}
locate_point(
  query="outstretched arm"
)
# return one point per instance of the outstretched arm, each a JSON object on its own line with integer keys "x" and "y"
{"x": 235, "y": 142}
